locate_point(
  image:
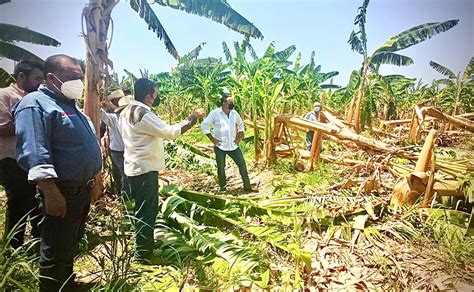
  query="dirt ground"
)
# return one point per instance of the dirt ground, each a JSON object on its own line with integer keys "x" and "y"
{"x": 392, "y": 264}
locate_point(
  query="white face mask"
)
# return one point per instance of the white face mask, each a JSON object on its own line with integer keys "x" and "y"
{"x": 72, "y": 89}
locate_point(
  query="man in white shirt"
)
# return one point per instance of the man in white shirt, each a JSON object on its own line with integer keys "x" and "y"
{"x": 116, "y": 146}
{"x": 228, "y": 131}
{"x": 143, "y": 133}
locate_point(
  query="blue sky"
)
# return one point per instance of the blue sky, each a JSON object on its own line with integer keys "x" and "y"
{"x": 322, "y": 26}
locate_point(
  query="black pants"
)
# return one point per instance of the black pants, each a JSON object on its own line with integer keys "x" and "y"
{"x": 144, "y": 190}
{"x": 238, "y": 158}
{"x": 21, "y": 202}
{"x": 122, "y": 181}
{"x": 60, "y": 238}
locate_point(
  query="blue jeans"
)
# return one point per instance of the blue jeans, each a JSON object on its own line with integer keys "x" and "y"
{"x": 60, "y": 238}
{"x": 238, "y": 158}
{"x": 144, "y": 189}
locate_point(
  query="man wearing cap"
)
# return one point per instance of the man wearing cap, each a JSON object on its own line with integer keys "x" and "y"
{"x": 312, "y": 116}
{"x": 228, "y": 132}
{"x": 116, "y": 147}
{"x": 21, "y": 201}
{"x": 143, "y": 133}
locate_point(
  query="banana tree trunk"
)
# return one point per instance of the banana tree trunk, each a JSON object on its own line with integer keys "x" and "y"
{"x": 457, "y": 103}
{"x": 341, "y": 133}
{"x": 256, "y": 138}
{"x": 455, "y": 121}
{"x": 97, "y": 18}
{"x": 385, "y": 112}
{"x": 358, "y": 101}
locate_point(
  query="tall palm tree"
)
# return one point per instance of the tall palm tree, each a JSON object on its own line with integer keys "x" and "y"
{"x": 386, "y": 53}
{"x": 459, "y": 86}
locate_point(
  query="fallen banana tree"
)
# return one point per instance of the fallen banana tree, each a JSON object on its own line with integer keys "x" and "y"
{"x": 394, "y": 123}
{"x": 336, "y": 131}
{"x": 420, "y": 115}
{"x": 422, "y": 179}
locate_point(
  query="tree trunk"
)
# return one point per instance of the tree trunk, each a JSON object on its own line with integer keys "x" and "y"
{"x": 97, "y": 18}
{"x": 360, "y": 96}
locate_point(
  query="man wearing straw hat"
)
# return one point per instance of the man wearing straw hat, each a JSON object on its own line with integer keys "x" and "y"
{"x": 116, "y": 99}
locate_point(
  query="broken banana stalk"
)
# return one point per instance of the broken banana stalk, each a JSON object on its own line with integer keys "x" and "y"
{"x": 421, "y": 182}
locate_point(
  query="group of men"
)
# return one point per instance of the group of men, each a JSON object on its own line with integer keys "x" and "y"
{"x": 50, "y": 175}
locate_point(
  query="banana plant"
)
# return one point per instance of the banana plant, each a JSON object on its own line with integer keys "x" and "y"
{"x": 10, "y": 34}
{"x": 391, "y": 92}
{"x": 457, "y": 86}
{"x": 386, "y": 53}
{"x": 5, "y": 78}
{"x": 303, "y": 86}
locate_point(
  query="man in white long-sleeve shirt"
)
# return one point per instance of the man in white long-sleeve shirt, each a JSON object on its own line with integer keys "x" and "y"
{"x": 143, "y": 133}
{"x": 228, "y": 131}
{"x": 116, "y": 146}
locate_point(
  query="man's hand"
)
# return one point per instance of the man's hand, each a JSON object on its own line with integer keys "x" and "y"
{"x": 215, "y": 141}
{"x": 200, "y": 113}
{"x": 238, "y": 137}
{"x": 54, "y": 202}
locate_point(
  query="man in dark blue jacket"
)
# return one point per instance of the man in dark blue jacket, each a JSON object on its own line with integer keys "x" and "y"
{"x": 58, "y": 148}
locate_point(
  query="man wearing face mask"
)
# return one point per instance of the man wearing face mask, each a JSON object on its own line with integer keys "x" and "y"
{"x": 143, "y": 133}
{"x": 21, "y": 201}
{"x": 60, "y": 152}
{"x": 228, "y": 132}
{"x": 312, "y": 116}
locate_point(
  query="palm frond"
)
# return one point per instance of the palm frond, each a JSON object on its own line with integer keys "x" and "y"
{"x": 267, "y": 234}
{"x": 216, "y": 10}
{"x": 415, "y": 35}
{"x": 192, "y": 55}
{"x": 12, "y": 33}
{"x": 468, "y": 72}
{"x": 252, "y": 52}
{"x": 330, "y": 86}
{"x": 443, "y": 70}
{"x": 269, "y": 51}
{"x": 227, "y": 54}
{"x": 210, "y": 240}
{"x": 16, "y": 53}
{"x": 5, "y": 78}
{"x": 390, "y": 58}
{"x": 356, "y": 43}
{"x": 285, "y": 54}
{"x": 146, "y": 12}
{"x": 297, "y": 64}
{"x": 329, "y": 75}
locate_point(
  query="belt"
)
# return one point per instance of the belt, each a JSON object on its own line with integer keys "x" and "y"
{"x": 70, "y": 184}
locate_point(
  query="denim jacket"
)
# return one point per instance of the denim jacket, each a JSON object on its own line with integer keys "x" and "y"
{"x": 54, "y": 139}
